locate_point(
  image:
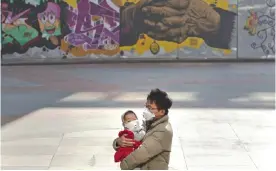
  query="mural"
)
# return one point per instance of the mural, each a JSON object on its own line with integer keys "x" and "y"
{"x": 225, "y": 37}
{"x": 254, "y": 25}
{"x": 257, "y": 29}
{"x": 70, "y": 28}
{"x": 179, "y": 24}
{"x": 49, "y": 22}
{"x": 135, "y": 38}
{"x": 137, "y": 28}
{"x": 94, "y": 27}
{"x": 32, "y": 23}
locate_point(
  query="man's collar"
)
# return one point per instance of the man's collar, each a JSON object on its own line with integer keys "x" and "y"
{"x": 156, "y": 122}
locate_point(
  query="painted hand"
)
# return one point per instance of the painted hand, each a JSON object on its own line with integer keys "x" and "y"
{"x": 176, "y": 20}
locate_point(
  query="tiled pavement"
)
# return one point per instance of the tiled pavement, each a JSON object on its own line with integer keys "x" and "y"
{"x": 81, "y": 139}
{"x": 67, "y": 117}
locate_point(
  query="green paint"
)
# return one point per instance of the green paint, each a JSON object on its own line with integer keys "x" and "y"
{"x": 35, "y": 2}
{"x": 46, "y": 35}
{"x": 6, "y": 39}
{"x": 21, "y": 33}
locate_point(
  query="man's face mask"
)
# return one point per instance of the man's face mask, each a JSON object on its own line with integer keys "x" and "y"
{"x": 148, "y": 115}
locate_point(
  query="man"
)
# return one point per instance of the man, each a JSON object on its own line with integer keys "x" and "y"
{"x": 175, "y": 21}
{"x": 154, "y": 152}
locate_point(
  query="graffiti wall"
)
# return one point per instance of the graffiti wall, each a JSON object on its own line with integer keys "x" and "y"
{"x": 190, "y": 28}
{"x": 220, "y": 42}
{"x": 137, "y": 28}
{"x": 141, "y": 28}
{"x": 256, "y": 29}
{"x": 29, "y": 24}
{"x": 94, "y": 27}
{"x": 60, "y": 28}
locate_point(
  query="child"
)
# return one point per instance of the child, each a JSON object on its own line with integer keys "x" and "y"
{"x": 132, "y": 130}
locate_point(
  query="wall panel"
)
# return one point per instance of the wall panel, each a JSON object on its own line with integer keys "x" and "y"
{"x": 256, "y": 29}
{"x": 194, "y": 29}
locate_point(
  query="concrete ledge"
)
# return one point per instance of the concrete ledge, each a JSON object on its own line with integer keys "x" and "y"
{"x": 53, "y": 61}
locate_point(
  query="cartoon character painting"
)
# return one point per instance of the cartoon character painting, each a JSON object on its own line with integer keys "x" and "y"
{"x": 49, "y": 22}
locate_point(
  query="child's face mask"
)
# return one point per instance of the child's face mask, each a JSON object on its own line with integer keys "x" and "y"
{"x": 132, "y": 125}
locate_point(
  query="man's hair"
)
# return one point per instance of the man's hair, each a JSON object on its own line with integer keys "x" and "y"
{"x": 161, "y": 99}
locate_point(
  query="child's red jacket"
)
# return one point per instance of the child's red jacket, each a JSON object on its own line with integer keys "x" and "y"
{"x": 122, "y": 152}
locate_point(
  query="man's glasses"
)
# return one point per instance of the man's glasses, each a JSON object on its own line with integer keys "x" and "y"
{"x": 150, "y": 108}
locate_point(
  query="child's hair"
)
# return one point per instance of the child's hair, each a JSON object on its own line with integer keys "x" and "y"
{"x": 126, "y": 113}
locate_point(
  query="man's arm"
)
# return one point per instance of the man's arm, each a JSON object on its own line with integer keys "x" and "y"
{"x": 222, "y": 38}
{"x": 151, "y": 147}
{"x": 115, "y": 145}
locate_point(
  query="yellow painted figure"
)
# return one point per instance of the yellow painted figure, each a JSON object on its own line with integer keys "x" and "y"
{"x": 251, "y": 23}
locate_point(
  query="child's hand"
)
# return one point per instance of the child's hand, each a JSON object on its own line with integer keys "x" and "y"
{"x": 125, "y": 142}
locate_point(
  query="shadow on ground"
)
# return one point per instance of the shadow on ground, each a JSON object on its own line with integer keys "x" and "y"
{"x": 25, "y": 90}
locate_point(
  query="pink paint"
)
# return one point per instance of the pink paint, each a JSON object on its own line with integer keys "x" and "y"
{"x": 51, "y": 8}
{"x": 4, "y": 5}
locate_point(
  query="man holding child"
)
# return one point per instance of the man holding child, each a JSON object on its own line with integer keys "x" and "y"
{"x": 154, "y": 152}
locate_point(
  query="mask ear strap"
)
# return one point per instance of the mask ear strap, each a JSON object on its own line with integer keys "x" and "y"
{"x": 124, "y": 126}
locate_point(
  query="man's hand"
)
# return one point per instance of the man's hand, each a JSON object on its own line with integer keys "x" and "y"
{"x": 125, "y": 142}
{"x": 176, "y": 20}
